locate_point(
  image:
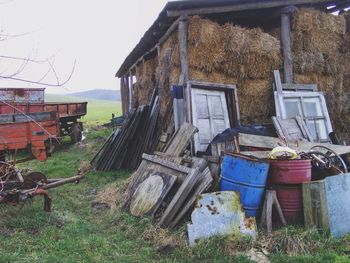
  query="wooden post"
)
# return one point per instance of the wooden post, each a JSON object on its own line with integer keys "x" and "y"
{"x": 131, "y": 80}
{"x": 127, "y": 92}
{"x": 183, "y": 27}
{"x": 184, "y": 76}
{"x": 286, "y": 42}
{"x": 122, "y": 94}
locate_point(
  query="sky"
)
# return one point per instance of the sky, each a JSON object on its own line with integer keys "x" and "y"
{"x": 94, "y": 35}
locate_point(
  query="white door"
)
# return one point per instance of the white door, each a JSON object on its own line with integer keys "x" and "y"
{"x": 209, "y": 115}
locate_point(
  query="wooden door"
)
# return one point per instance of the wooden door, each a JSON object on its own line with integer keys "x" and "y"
{"x": 209, "y": 115}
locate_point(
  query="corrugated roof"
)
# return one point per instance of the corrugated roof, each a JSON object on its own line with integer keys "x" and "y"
{"x": 163, "y": 22}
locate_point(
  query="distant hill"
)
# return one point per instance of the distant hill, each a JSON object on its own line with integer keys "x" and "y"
{"x": 98, "y": 94}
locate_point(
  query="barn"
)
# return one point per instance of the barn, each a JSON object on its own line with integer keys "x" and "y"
{"x": 218, "y": 58}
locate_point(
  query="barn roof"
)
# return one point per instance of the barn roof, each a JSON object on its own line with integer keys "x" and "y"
{"x": 173, "y": 10}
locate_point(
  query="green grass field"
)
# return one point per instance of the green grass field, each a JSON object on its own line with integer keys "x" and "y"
{"x": 99, "y": 111}
{"x": 74, "y": 232}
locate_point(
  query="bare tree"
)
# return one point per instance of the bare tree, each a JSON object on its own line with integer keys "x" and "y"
{"x": 49, "y": 77}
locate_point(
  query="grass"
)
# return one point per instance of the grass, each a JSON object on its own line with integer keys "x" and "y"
{"x": 73, "y": 232}
{"x": 99, "y": 111}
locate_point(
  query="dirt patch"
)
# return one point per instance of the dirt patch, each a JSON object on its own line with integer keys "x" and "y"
{"x": 110, "y": 198}
{"x": 163, "y": 239}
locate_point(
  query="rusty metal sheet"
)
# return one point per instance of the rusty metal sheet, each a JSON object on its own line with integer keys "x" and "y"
{"x": 219, "y": 213}
{"x": 22, "y": 95}
{"x": 338, "y": 204}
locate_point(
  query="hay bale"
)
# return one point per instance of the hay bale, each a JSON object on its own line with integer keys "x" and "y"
{"x": 145, "y": 80}
{"x": 255, "y": 98}
{"x": 215, "y": 77}
{"x": 205, "y": 47}
{"x": 237, "y": 52}
{"x": 316, "y": 31}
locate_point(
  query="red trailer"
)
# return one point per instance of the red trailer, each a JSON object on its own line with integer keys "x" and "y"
{"x": 34, "y": 130}
{"x": 26, "y": 120}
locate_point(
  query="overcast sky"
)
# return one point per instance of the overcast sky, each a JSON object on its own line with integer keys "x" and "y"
{"x": 98, "y": 34}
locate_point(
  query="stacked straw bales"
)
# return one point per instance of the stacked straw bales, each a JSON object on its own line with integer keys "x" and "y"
{"x": 235, "y": 55}
{"x": 321, "y": 56}
{"x": 232, "y": 54}
{"x": 146, "y": 80}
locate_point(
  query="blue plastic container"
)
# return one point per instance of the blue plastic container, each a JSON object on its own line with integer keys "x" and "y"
{"x": 246, "y": 176}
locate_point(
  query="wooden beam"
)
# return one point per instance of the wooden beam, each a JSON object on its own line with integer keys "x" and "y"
{"x": 241, "y": 7}
{"x": 286, "y": 43}
{"x": 183, "y": 28}
{"x": 272, "y": 142}
{"x": 170, "y": 30}
{"x": 339, "y": 7}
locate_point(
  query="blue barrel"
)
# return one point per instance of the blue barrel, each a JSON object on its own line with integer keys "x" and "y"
{"x": 246, "y": 176}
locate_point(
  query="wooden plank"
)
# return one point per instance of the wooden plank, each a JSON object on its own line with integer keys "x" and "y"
{"x": 241, "y": 7}
{"x": 179, "y": 198}
{"x": 158, "y": 164}
{"x": 299, "y": 87}
{"x": 305, "y": 130}
{"x": 291, "y": 130}
{"x": 166, "y": 163}
{"x": 272, "y": 142}
{"x": 202, "y": 185}
{"x": 278, "y": 83}
{"x": 181, "y": 139}
{"x": 211, "y": 85}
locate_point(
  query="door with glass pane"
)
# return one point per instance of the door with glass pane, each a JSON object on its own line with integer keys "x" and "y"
{"x": 311, "y": 106}
{"x": 209, "y": 115}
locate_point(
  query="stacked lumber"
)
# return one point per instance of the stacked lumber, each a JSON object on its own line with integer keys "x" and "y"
{"x": 125, "y": 146}
{"x": 165, "y": 186}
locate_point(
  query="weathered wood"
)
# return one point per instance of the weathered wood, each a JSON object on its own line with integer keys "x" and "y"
{"x": 171, "y": 29}
{"x": 158, "y": 164}
{"x": 278, "y": 83}
{"x": 266, "y": 216}
{"x": 286, "y": 45}
{"x": 291, "y": 130}
{"x": 341, "y": 6}
{"x": 150, "y": 193}
{"x": 255, "y": 5}
{"x": 202, "y": 185}
{"x": 299, "y": 87}
{"x": 181, "y": 139}
{"x": 179, "y": 198}
{"x": 256, "y": 154}
{"x": 183, "y": 30}
{"x": 131, "y": 89}
{"x": 303, "y": 127}
{"x": 272, "y": 142}
{"x": 315, "y": 205}
{"x": 211, "y": 85}
{"x": 165, "y": 163}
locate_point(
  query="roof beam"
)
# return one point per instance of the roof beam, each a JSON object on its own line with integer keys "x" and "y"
{"x": 242, "y": 7}
{"x": 342, "y": 5}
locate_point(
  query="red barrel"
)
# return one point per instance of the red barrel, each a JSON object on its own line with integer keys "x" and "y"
{"x": 289, "y": 171}
{"x": 291, "y": 201}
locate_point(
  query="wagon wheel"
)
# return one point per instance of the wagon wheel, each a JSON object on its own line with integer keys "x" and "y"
{"x": 330, "y": 156}
{"x": 33, "y": 180}
{"x": 76, "y": 133}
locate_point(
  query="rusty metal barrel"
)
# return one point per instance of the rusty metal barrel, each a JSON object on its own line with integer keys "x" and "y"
{"x": 289, "y": 171}
{"x": 286, "y": 177}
